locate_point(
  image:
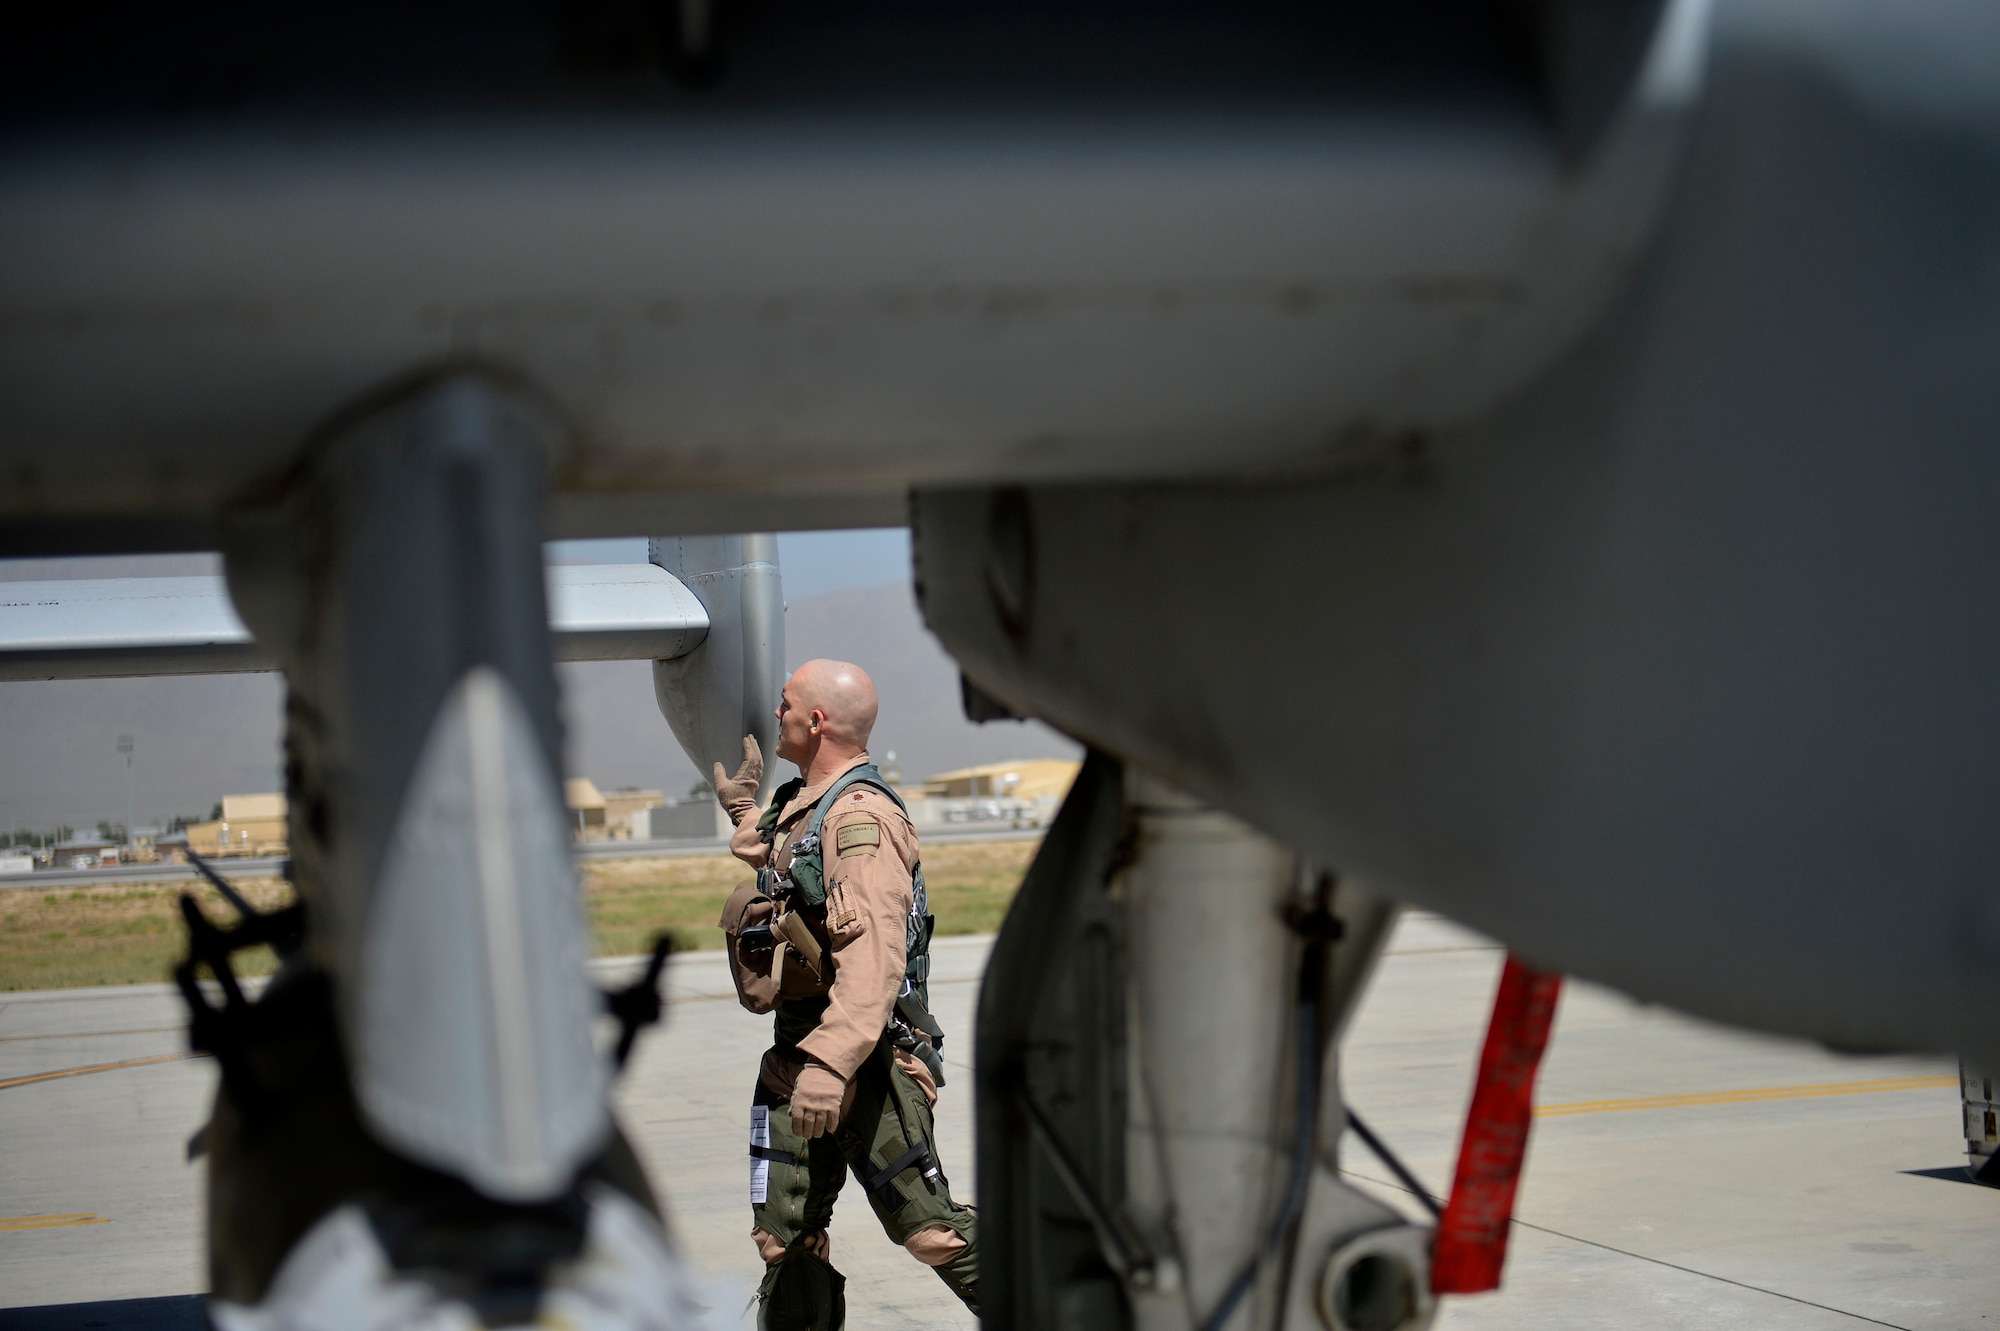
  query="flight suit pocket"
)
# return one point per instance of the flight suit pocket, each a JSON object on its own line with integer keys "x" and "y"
{"x": 746, "y": 929}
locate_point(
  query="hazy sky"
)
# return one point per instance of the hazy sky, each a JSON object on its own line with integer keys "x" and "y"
{"x": 198, "y": 736}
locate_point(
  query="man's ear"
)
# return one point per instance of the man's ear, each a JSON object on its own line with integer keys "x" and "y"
{"x": 818, "y": 720}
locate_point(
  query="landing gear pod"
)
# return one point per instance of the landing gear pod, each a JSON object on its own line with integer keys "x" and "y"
{"x": 1159, "y": 1091}
{"x": 727, "y": 687}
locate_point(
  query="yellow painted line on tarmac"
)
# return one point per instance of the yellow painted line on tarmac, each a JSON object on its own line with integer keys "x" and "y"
{"x": 94, "y": 1067}
{"x": 10, "y": 1223}
{"x": 1746, "y": 1096}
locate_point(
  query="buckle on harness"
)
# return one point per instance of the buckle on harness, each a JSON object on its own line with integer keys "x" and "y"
{"x": 881, "y": 1183}
{"x": 773, "y": 884}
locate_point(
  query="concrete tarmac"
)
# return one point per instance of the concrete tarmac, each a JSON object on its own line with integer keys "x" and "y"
{"x": 1680, "y": 1175}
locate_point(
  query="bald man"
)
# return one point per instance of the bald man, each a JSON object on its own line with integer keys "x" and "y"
{"x": 849, "y": 1084}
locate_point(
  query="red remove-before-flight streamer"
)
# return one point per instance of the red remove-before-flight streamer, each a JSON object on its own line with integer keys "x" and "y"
{"x": 1472, "y": 1232}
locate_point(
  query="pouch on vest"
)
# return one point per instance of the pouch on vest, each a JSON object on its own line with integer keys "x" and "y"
{"x": 801, "y": 967}
{"x": 749, "y": 911}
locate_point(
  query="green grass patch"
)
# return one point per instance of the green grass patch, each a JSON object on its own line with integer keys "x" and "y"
{"x": 133, "y": 933}
{"x": 130, "y": 933}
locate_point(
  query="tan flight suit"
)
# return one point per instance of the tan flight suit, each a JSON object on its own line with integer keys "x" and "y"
{"x": 885, "y": 1137}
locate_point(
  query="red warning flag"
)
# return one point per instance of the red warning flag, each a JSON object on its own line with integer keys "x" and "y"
{"x": 1472, "y": 1232}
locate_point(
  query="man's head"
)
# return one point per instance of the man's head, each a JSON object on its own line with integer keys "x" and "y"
{"x": 827, "y": 709}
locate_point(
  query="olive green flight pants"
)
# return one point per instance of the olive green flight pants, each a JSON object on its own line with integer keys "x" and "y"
{"x": 886, "y": 1142}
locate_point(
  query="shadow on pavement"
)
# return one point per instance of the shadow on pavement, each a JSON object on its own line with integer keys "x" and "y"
{"x": 1950, "y": 1174}
{"x": 182, "y": 1312}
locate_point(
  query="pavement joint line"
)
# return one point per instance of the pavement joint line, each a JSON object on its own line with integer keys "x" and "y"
{"x": 1657, "y": 1261}
{"x": 1710, "y": 1275}
{"x": 12, "y": 1223}
{"x": 92, "y": 1035}
{"x": 95, "y": 1067}
{"x": 1750, "y": 1096}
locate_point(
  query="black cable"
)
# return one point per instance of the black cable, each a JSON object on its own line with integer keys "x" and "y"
{"x": 1321, "y": 930}
{"x": 1381, "y": 1152}
{"x": 1295, "y": 1184}
{"x": 1120, "y": 1251}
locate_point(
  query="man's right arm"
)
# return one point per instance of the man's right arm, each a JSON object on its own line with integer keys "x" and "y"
{"x": 738, "y": 797}
{"x": 746, "y": 843}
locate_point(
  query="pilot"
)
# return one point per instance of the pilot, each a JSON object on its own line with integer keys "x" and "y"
{"x": 833, "y": 936}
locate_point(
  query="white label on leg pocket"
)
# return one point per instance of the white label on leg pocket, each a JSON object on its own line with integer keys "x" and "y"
{"x": 760, "y": 1170}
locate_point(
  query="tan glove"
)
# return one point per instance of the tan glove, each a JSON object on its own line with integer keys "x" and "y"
{"x": 738, "y": 793}
{"x": 816, "y": 1101}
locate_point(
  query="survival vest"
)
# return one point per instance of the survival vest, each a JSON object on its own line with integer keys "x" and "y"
{"x": 805, "y": 880}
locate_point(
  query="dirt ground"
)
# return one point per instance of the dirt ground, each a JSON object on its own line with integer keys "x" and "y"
{"x": 130, "y": 933}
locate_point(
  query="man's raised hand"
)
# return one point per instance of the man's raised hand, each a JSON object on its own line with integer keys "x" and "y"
{"x": 738, "y": 793}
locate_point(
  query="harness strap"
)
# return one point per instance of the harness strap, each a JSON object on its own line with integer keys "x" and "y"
{"x": 861, "y": 772}
{"x": 772, "y": 1154}
{"x": 920, "y": 1152}
{"x": 767, "y": 824}
{"x": 918, "y": 1016}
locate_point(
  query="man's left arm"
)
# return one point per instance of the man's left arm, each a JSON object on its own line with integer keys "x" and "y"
{"x": 870, "y": 851}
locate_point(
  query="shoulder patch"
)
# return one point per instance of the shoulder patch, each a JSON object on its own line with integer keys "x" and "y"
{"x": 860, "y": 837}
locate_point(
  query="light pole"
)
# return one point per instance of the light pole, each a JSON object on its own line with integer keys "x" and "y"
{"x": 125, "y": 747}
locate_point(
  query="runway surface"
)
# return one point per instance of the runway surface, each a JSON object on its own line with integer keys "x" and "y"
{"x": 1680, "y": 1175}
